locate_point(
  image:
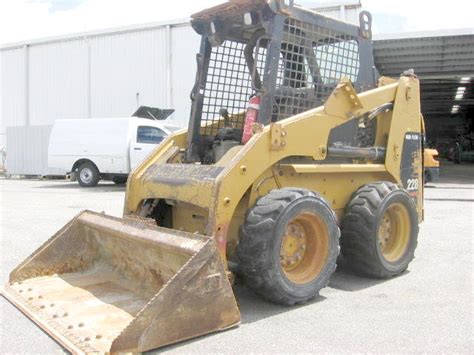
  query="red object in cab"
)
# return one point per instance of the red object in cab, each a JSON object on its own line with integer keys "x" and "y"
{"x": 250, "y": 118}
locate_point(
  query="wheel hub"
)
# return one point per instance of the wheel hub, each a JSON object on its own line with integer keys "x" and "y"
{"x": 304, "y": 248}
{"x": 86, "y": 175}
{"x": 385, "y": 230}
{"x": 293, "y": 246}
{"x": 394, "y": 232}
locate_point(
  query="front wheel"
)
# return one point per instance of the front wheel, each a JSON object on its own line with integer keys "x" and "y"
{"x": 88, "y": 175}
{"x": 288, "y": 246}
{"x": 380, "y": 230}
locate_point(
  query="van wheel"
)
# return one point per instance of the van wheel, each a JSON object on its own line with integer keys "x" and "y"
{"x": 288, "y": 246}
{"x": 88, "y": 175}
{"x": 380, "y": 230}
{"x": 119, "y": 180}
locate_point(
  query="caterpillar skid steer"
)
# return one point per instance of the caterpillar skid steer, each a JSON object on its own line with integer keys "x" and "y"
{"x": 295, "y": 151}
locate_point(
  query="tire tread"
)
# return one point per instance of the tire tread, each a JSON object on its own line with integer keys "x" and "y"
{"x": 359, "y": 229}
{"x": 254, "y": 244}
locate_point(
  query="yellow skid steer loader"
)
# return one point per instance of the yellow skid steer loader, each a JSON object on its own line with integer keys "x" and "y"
{"x": 295, "y": 151}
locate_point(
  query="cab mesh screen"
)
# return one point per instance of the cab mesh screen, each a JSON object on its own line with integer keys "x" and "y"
{"x": 312, "y": 61}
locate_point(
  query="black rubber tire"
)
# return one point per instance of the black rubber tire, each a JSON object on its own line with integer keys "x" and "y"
{"x": 360, "y": 225}
{"x": 118, "y": 180}
{"x": 95, "y": 175}
{"x": 260, "y": 245}
{"x": 426, "y": 177}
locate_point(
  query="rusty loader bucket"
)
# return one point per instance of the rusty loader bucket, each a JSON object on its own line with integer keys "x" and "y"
{"x": 105, "y": 284}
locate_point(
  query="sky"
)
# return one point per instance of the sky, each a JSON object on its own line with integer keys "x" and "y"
{"x": 29, "y": 19}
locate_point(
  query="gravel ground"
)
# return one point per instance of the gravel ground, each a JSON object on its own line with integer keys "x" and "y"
{"x": 428, "y": 309}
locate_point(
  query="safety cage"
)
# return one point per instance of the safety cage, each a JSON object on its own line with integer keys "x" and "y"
{"x": 290, "y": 57}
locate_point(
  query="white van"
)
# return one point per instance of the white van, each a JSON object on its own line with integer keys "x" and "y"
{"x": 103, "y": 148}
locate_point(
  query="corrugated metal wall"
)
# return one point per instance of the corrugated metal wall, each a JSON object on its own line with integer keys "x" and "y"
{"x": 347, "y": 10}
{"x": 99, "y": 75}
{"x": 13, "y": 90}
{"x": 28, "y": 151}
{"x": 184, "y": 46}
{"x": 2, "y": 132}
{"x": 125, "y": 65}
{"x": 347, "y": 14}
{"x": 57, "y": 81}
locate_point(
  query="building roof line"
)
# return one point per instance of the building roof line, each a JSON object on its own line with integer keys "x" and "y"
{"x": 425, "y": 34}
{"x": 94, "y": 33}
{"x": 318, "y": 5}
{"x": 325, "y": 5}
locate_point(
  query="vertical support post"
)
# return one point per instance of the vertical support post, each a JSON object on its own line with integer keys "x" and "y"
{"x": 342, "y": 12}
{"x": 89, "y": 78}
{"x": 169, "y": 87}
{"x": 271, "y": 63}
{"x": 26, "y": 84}
{"x": 197, "y": 98}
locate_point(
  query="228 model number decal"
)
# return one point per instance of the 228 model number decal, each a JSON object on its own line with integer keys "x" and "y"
{"x": 411, "y": 169}
{"x": 412, "y": 184}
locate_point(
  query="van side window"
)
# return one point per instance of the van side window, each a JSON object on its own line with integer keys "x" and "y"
{"x": 150, "y": 135}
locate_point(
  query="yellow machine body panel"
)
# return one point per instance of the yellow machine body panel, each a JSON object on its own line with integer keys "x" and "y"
{"x": 291, "y": 152}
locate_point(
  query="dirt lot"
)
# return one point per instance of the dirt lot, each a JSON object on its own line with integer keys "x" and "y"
{"x": 427, "y": 309}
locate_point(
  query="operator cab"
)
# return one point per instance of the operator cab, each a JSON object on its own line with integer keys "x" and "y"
{"x": 282, "y": 59}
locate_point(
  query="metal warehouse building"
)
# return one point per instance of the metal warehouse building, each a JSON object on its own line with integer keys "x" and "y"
{"x": 109, "y": 73}
{"x": 98, "y": 74}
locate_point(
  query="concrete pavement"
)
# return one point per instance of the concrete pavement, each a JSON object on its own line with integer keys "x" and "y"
{"x": 427, "y": 309}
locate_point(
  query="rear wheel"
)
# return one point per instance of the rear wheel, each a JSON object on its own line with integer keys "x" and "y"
{"x": 288, "y": 246}
{"x": 119, "y": 180}
{"x": 88, "y": 175}
{"x": 380, "y": 230}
